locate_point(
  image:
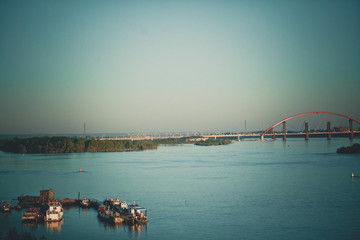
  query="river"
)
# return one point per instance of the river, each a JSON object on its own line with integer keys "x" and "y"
{"x": 246, "y": 190}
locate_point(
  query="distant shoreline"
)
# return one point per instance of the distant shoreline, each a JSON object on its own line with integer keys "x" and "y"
{"x": 51, "y": 145}
{"x": 71, "y": 145}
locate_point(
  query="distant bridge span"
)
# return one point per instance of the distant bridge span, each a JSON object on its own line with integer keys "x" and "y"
{"x": 301, "y": 114}
{"x": 351, "y": 132}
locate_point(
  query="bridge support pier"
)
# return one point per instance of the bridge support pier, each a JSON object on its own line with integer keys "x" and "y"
{"x": 274, "y": 137}
{"x": 351, "y": 136}
{"x": 262, "y": 137}
{"x": 351, "y": 120}
{"x": 329, "y": 131}
{"x": 272, "y": 132}
{"x": 306, "y": 131}
{"x": 284, "y": 130}
{"x": 238, "y": 138}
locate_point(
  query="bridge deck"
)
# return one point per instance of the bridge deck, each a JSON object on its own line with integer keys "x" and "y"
{"x": 229, "y": 135}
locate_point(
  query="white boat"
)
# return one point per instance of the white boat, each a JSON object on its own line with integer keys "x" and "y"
{"x": 120, "y": 205}
{"x": 6, "y": 206}
{"x": 123, "y": 205}
{"x": 118, "y": 211}
{"x": 85, "y": 203}
{"x": 137, "y": 214}
{"x": 54, "y": 213}
{"x": 116, "y": 202}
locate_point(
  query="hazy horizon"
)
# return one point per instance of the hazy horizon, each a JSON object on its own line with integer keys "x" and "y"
{"x": 175, "y": 66}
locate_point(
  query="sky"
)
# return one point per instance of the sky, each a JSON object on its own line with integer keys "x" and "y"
{"x": 174, "y": 66}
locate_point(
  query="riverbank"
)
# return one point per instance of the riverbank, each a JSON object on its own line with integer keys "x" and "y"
{"x": 80, "y": 145}
{"x": 71, "y": 145}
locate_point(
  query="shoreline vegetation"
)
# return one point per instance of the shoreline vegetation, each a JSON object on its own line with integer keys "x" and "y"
{"x": 355, "y": 148}
{"x": 213, "y": 142}
{"x": 80, "y": 145}
{"x": 72, "y": 145}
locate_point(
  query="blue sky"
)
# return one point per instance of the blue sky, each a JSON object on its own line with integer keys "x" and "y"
{"x": 155, "y": 66}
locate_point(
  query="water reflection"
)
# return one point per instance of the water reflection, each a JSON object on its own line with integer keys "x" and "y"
{"x": 135, "y": 230}
{"x": 31, "y": 225}
{"x": 6, "y": 214}
{"x": 328, "y": 145}
{"x": 54, "y": 226}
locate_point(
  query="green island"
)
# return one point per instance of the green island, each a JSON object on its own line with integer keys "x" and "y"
{"x": 71, "y": 145}
{"x": 213, "y": 142}
{"x": 355, "y": 148}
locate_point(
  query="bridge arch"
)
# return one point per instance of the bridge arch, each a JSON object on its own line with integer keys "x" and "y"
{"x": 301, "y": 114}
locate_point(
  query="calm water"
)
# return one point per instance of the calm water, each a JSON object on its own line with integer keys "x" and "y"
{"x": 246, "y": 190}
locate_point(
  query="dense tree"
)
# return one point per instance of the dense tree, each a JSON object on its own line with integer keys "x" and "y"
{"x": 355, "y": 148}
{"x": 71, "y": 145}
{"x": 213, "y": 142}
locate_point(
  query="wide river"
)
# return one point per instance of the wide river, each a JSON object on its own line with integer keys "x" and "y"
{"x": 246, "y": 190}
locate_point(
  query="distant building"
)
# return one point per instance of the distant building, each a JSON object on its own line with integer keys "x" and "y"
{"x": 28, "y": 201}
{"x": 31, "y": 201}
{"x": 47, "y": 196}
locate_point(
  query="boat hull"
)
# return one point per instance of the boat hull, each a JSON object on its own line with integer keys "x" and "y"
{"x": 29, "y": 219}
{"x": 54, "y": 213}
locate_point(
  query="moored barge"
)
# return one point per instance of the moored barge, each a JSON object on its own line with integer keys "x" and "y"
{"x": 110, "y": 215}
{"x": 31, "y": 215}
{"x": 118, "y": 211}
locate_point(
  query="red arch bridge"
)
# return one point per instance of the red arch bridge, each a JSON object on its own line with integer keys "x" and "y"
{"x": 270, "y": 131}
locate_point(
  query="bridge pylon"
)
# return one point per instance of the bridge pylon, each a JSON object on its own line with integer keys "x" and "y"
{"x": 274, "y": 137}
{"x": 306, "y": 131}
{"x": 351, "y": 136}
{"x": 284, "y": 130}
{"x": 329, "y": 131}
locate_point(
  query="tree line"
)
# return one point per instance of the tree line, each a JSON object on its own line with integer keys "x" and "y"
{"x": 71, "y": 145}
{"x": 213, "y": 142}
{"x": 355, "y": 148}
